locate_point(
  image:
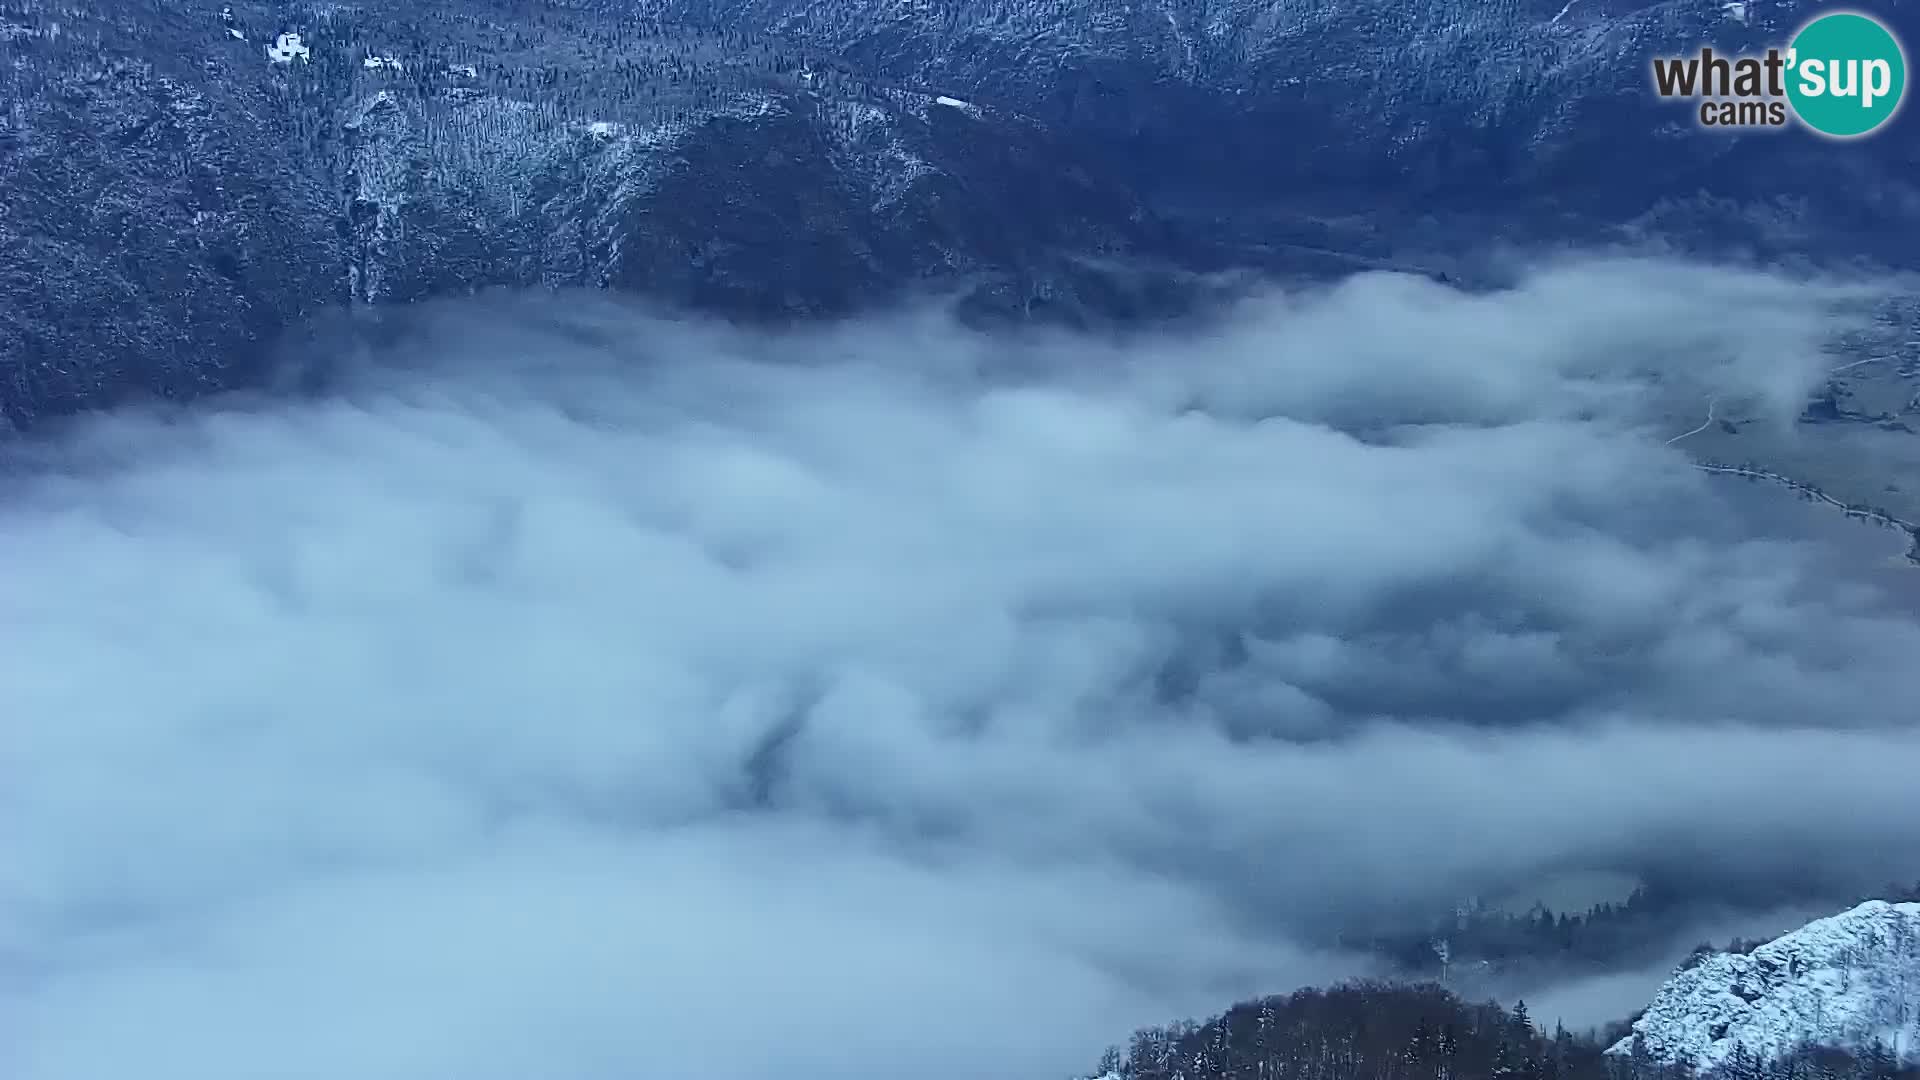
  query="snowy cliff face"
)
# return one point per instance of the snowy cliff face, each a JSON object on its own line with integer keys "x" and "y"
{"x": 1851, "y": 980}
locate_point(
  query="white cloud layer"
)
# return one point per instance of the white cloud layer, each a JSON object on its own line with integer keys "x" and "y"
{"x": 574, "y": 692}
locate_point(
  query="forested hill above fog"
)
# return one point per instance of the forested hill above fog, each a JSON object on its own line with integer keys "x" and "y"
{"x": 1478, "y": 945}
{"x": 182, "y": 181}
{"x": 1838, "y": 999}
{"x": 1357, "y": 1031}
{"x": 1400, "y": 120}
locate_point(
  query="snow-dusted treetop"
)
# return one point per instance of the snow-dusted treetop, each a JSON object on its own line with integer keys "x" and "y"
{"x": 287, "y": 48}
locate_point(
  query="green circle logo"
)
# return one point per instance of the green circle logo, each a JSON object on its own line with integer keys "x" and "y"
{"x": 1846, "y": 74}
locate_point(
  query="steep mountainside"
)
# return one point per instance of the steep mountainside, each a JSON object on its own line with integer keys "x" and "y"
{"x": 1851, "y": 980}
{"x": 1436, "y": 122}
{"x": 182, "y": 180}
{"x": 158, "y": 221}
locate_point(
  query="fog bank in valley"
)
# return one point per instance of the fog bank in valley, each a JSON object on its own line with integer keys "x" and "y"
{"x": 566, "y": 690}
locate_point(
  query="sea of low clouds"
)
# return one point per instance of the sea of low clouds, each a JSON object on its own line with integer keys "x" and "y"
{"x": 566, "y": 690}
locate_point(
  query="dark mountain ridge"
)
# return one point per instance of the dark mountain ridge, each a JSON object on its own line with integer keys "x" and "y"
{"x": 1519, "y": 118}
{"x": 181, "y": 186}
{"x": 176, "y": 196}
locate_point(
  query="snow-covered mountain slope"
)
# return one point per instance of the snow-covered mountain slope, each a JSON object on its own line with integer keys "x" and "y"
{"x": 183, "y": 180}
{"x": 1437, "y": 123}
{"x": 1850, "y": 980}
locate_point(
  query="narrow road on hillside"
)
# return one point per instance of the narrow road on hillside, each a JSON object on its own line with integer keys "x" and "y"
{"x": 1704, "y": 424}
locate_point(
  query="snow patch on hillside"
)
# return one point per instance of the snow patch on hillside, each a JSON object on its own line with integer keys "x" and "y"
{"x": 287, "y": 48}
{"x": 1850, "y": 980}
{"x": 870, "y": 143}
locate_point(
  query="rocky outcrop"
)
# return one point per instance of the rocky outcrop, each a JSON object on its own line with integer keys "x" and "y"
{"x": 1851, "y": 981}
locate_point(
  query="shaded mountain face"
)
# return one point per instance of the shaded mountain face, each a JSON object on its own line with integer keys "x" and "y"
{"x": 1434, "y": 124}
{"x": 181, "y": 180}
{"x": 159, "y": 224}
